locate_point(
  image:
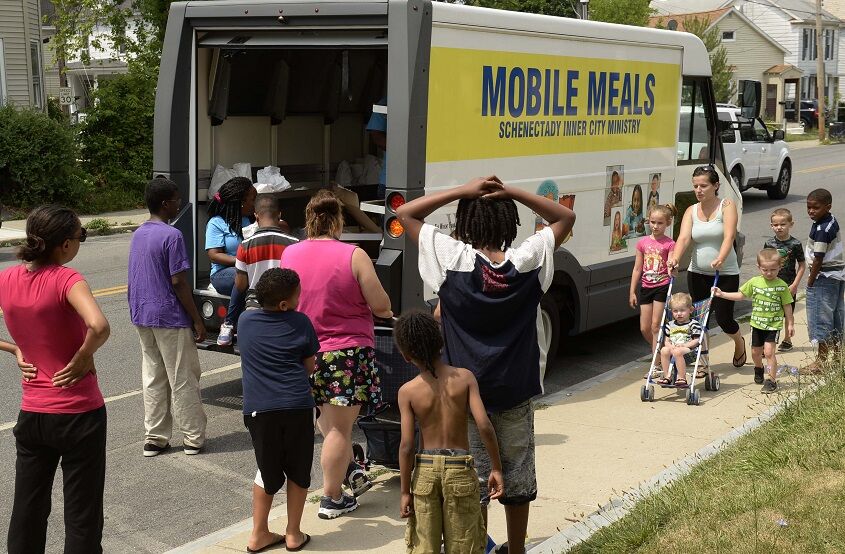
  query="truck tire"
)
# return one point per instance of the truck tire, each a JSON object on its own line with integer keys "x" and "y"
{"x": 550, "y": 316}
{"x": 780, "y": 188}
{"x": 736, "y": 175}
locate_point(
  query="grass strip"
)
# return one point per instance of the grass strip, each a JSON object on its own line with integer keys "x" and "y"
{"x": 779, "y": 489}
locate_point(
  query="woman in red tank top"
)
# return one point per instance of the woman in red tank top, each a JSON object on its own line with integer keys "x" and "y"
{"x": 57, "y": 327}
{"x": 340, "y": 294}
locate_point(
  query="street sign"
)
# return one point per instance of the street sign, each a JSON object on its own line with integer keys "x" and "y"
{"x": 65, "y": 96}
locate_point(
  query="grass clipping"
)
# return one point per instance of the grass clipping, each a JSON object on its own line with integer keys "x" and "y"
{"x": 779, "y": 489}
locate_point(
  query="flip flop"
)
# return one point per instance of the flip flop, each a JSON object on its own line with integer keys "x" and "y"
{"x": 302, "y": 545}
{"x": 743, "y": 357}
{"x": 279, "y": 541}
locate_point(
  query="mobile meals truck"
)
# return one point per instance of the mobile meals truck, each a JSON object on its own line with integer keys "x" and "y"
{"x": 602, "y": 118}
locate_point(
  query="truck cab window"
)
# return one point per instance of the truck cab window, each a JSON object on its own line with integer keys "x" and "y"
{"x": 728, "y": 133}
{"x": 695, "y": 125}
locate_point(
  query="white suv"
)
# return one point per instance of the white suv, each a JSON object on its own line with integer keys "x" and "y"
{"x": 755, "y": 158}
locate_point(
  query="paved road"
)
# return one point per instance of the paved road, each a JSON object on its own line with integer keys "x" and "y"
{"x": 156, "y": 504}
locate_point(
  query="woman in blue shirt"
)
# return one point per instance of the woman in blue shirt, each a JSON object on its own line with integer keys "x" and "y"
{"x": 228, "y": 212}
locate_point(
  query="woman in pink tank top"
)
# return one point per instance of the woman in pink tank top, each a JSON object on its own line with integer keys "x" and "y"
{"x": 340, "y": 294}
{"x": 57, "y": 327}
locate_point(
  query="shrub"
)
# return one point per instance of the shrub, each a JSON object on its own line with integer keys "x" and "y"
{"x": 117, "y": 135}
{"x": 38, "y": 160}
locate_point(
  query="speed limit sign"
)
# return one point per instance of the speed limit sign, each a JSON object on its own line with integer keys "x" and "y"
{"x": 65, "y": 96}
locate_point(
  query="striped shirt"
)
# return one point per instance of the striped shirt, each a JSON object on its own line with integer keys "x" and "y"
{"x": 682, "y": 333}
{"x": 826, "y": 242}
{"x": 260, "y": 252}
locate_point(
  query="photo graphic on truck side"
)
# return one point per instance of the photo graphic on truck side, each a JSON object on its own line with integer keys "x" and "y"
{"x": 613, "y": 190}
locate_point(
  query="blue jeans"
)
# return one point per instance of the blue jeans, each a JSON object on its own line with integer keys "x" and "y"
{"x": 826, "y": 309}
{"x": 224, "y": 283}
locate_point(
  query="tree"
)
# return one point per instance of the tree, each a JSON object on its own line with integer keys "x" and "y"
{"x": 723, "y": 88}
{"x": 626, "y": 12}
{"x": 562, "y": 8}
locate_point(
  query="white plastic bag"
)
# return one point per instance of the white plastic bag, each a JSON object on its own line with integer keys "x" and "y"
{"x": 270, "y": 179}
{"x": 220, "y": 176}
{"x": 243, "y": 169}
{"x": 249, "y": 230}
{"x": 372, "y": 169}
{"x": 343, "y": 177}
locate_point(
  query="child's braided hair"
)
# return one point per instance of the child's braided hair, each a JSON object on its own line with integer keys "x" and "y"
{"x": 418, "y": 337}
{"x": 487, "y": 223}
{"x": 227, "y": 203}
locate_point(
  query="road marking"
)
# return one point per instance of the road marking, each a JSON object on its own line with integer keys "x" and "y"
{"x": 821, "y": 168}
{"x": 110, "y": 291}
{"x": 130, "y": 394}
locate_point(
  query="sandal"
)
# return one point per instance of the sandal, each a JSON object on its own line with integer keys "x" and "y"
{"x": 663, "y": 381}
{"x": 739, "y": 362}
{"x": 701, "y": 374}
{"x": 681, "y": 383}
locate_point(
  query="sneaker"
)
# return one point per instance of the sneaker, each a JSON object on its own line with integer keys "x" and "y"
{"x": 191, "y": 450}
{"x": 151, "y": 449}
{"x": 769, "y": 387}
{"x": 758, "y": 375}
{"x": 357, "y": 482}
{"x": 330, "y": 509}
{"x": 227, "y": 330}
{"x": 785, "y": 346}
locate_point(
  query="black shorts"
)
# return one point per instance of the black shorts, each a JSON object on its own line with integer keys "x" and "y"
{"x": 759, "y": 337}
{"x": 283, "y": 441}
{"x": 652, "y": 294}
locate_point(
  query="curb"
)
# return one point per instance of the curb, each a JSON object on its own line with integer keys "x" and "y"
{"x": 116, "y": 230}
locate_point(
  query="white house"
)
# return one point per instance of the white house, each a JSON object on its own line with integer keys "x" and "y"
{"x": 21, "y": 71}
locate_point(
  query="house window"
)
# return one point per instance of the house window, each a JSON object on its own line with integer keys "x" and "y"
{"x": 809, "y": 49}
{"x": 2, "y": 75}
{"x": 829, "y": 44}
{"x": 728, "y": 36}
{"x": 37, "y": 83}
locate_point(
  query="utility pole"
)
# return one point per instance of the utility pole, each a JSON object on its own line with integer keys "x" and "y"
{"x": 583, "y": 9}
{"x": 820, "y": 74}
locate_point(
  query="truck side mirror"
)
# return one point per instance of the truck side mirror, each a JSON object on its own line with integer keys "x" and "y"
{"x": 750, "y": 98}
{"x": 778, "y": 135}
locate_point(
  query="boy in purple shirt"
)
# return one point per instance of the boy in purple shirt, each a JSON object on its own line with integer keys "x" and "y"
{"x": 163, "y": 311}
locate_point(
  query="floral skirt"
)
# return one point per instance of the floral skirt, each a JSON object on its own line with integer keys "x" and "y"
{"x": 347, "y": 377}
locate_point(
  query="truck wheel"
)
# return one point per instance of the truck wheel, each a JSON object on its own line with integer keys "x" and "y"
{"x": 550, "y": 316}
{"x": 736, "y": 175}
{"x": 780, "y": 189}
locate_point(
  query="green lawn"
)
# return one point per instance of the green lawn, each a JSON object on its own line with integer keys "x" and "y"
{"x": 779, "y": 489}
{"x": 795, "y": 137}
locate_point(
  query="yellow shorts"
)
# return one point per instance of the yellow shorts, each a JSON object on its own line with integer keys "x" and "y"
{"x": 446, "y": 506}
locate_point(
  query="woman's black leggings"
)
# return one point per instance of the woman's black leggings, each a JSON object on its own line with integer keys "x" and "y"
{"x": 78, "y": 443}
{"x": 699, "y": 288}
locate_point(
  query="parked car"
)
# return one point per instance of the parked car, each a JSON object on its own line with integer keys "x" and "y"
{"x": 809, "y": 112}
{"x": 754, "y": 157}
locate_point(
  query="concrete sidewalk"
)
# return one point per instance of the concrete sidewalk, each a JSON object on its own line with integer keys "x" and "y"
{"x": 594, "y": 441}
{"x": 15, "y": 231}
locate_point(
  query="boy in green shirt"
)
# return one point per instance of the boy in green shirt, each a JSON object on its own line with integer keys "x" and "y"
{"x": 771, "y": 303}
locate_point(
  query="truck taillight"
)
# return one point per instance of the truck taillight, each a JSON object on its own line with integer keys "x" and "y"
{"x": 395, "y": 201}
{"x": 394, "y": 228}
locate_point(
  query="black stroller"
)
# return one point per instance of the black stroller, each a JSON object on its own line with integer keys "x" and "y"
{"x": 380, "y": 425}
